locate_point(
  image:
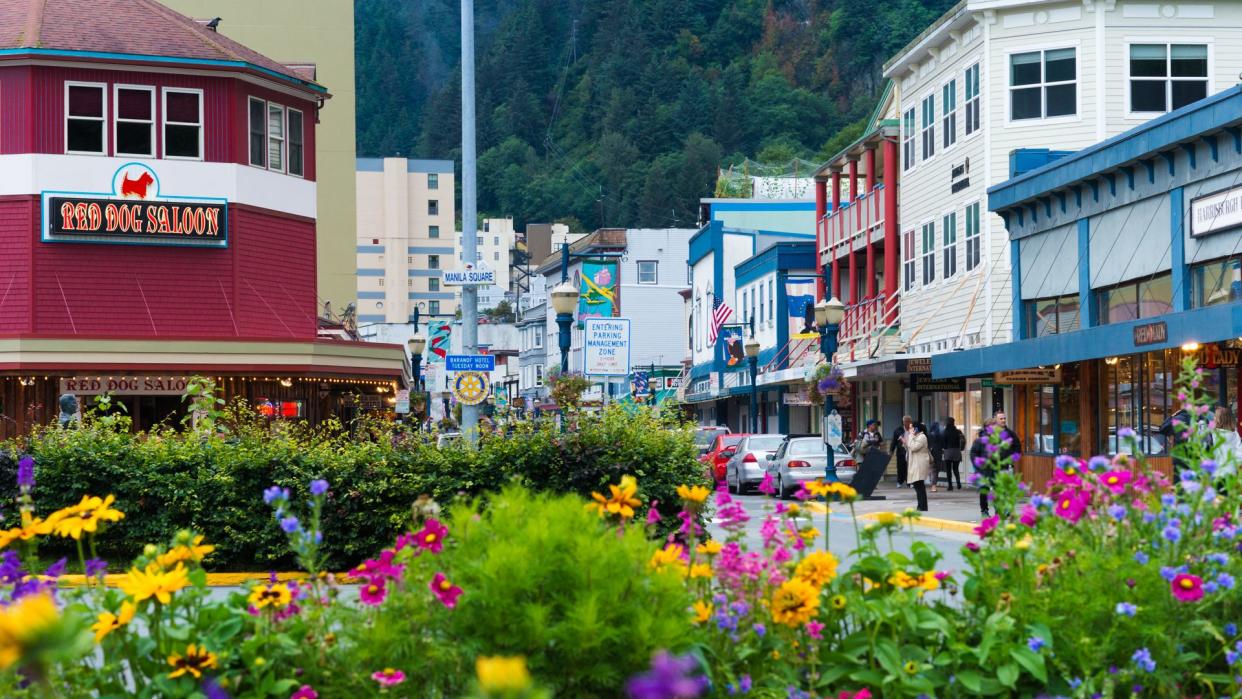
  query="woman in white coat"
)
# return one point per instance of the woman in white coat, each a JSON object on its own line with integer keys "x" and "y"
{"x": 920, "y": 463}
{"x": 1226, "y": 444}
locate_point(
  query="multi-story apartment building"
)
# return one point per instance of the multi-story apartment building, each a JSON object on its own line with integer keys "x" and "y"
{"x": 532, "y": 331}
{"x": 406, "y": 216}
{"x": 990, "y": 78}
{"x": 267, "y": 27}
{"x": 494, "y": 244}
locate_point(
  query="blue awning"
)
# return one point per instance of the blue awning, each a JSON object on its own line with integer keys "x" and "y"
{"x": 1212, "y": 324}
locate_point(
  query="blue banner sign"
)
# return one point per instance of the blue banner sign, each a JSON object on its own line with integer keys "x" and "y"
{"x": 470, "y": 362}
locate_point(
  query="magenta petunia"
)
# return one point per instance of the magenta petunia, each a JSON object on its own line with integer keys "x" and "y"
{"x": 815, "y": 629}
{"x": 305, "y": 692}
{"x": 987, "y": 526}
{"x": 382, "y": 566}
{"x": 1066, "y": 476}
{"x": 431, "y": 536}
{"x": 388, "y": 677}
{"x": 1116, "y": 481}
{"x": 373, "y": 592}
{"x": 1070, "y": 506}
{"x": 444, "y": 590}
{"x": 1187, "y": 587}
{"x": 1029, "y": 516}
{"x": 766, "y": 486}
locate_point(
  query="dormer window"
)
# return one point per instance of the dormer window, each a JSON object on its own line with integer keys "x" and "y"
{"x": 183, "y": 123}
{"x": 85, "y": 107}
{"x": 134, "y": 130}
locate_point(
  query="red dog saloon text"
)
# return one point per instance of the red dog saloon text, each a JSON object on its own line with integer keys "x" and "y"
{"x": 153, "y": 219}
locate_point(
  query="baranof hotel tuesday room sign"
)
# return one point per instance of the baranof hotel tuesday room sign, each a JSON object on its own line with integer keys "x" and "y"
{"x": 1216, "y": 212}
{"x": 134, "y": 213}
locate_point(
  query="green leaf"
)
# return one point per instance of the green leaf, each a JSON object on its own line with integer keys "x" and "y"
{"x": 887, "y": 654}
{"x": 1032, "y": 661}
{"x": 971, "y": 681}
{"x": 1008, "y": 674}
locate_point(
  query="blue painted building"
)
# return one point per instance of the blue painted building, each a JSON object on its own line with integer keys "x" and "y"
{"x": 1127, "y": 257}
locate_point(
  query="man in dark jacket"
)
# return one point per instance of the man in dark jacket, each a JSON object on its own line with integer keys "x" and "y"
{"x": 898, "y": 447}
{"x": 979, "y": 459}
{"x": 1011, "y": 446}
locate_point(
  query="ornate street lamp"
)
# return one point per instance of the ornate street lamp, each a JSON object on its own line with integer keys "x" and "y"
{"x": 417, "y": 345}
{"x": 828, "y": 315}
{"x": 752, "y": 357}
{"x": 564, "y": 301}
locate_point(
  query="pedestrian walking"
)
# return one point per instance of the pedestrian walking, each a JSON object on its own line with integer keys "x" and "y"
{"x": 954, "y": 443}
{"x": 1010, "y": 445}
{"x": 898, "y": 447}
{"x": 920, "y": 462}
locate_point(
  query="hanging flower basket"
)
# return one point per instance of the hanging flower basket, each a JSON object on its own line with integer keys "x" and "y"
{"x": 826, "y": 380}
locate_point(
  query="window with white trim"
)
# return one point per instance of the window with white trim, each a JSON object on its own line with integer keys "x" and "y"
{"x": 745, "y": 308}
{"x": 973, "y": 238}
{"x": 948, "y": 236}
{"x": 907, "y": 139}
{"x": 183, "y": 123}
{"x": 929, "y": 126}
{"x": 1164, "y": 77}
{"x": 258, "y": 132}
{"x": 971, "y": 97}
{"x": 297, "y": 148}
{"x": 433, "y": 182}
{"x": 1043, "y": 84}
{"x": 85, "y": 107}
{"x": 648, "y": 272}
{"x": 771, "y": 301}
{"x": 134, "y": 128}
{"x": 538, "y": 339}
{"x": 908, "y": 264}
{"x": 275, "y": 137}
{"x": 762, "y": 307}
{"x": 539, "y": 374}
{"x": 929, "y": 252}
{"x": 948, "y": 103}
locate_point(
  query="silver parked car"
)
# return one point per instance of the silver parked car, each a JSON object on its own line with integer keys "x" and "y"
{"x": 806, "y": 459}
{"x": 745, "y": 467}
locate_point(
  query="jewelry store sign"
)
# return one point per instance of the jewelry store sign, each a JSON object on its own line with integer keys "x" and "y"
{"x": 1216, "y": 212}
{"x": 124, "y": 385}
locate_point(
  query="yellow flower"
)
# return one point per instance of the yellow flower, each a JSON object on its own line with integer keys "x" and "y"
{"x": 794, "y": 509}
{"x": 904, "y": 580}
{"x": 196, "y": 551}
{"x": 709, "y": 548}
{"x": 846, "y": 492}
{"x": 86, "y": 516}
{"x": 910, "y": 667}
{"x": 154, "y": 582}
{"x": 1024, "y": 543}
{"x": 887, "y": 518}
{"x": 699, "y": 570}
{"x": 696, "y": 494}
{"x": 702, "y": 611}
{"x": 195, "y": 660}
{"x": 819, "y": 488}
{"x": 818, "y": 568}
{"x": 109, "y": 622}
{"x": 809, "y": 534}
{"x": 621, "y": 501}
{"x": 838, "y": 602}
{"x": 31, "y": 527}
{"x": 669, "y": 557}
{"x": 20, "y": 622}
{"x": 501, "y": 674}
{"x": 276, "y": 595}
{"x": 928, "y": 581}
{"x": 794, "y": 602}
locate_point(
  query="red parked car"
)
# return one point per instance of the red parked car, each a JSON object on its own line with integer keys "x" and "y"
{"x": 718, "y": 454}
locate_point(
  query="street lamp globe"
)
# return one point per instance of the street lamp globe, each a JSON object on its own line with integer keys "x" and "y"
{"x": 564, "y": 298}
{"x": 829, "y": 312}
{"x": 417, "y": 344}
{"x": 751, "y": 347}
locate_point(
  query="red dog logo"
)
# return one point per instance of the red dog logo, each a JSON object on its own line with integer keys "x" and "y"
{"x": 136, "y": 187}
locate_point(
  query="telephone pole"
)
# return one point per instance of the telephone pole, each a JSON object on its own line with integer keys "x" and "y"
{"x": 469, "y": 213}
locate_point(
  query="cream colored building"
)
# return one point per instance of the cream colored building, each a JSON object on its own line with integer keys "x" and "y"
{"x": 494, "y": 243}
{"x": 406, "y": 226}
{"x": 319, "y": 34}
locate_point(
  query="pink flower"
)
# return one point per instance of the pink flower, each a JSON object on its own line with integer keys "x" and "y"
{"x": 815, "y": 629}
{"x": 987, "y": 526}
{"x": 863, "y": 693}
{"x": 1116, "y": 481}
{"x": 431, "y": 536}
{"x": 1070, "y": 506}
{"x": 381, "y": 567}
{"x": 653, "y": 515}
{"x": 1030, "y": 515}
{"x": 444, "y": 590}
{"x": 373, "y": 592}
{"x": 766, "y": 486}
{"x": 1068, "y": 476}
{"x": 1186, "y": 587}
{"x": 305, "y": 692}
{"x": 972, "y": 546}
{"x": 942, "y": 574}
{"x": 388, "y": 677}
{"x": 781, "y": 555}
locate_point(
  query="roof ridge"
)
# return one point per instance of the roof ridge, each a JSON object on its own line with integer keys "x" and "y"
{"x": 34, "y": 23}
{"x": 194, "y": 26}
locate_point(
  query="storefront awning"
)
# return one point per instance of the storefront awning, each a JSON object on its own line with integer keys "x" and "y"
{"x": 1171, "y": 330}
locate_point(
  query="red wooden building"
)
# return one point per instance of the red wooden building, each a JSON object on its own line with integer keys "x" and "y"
{"x": 157, "y": 219}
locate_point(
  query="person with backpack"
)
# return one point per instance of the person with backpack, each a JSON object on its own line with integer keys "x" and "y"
{"x": 954, "y": 442}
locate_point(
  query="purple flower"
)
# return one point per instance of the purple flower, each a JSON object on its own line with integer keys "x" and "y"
{"x": 1168, "y": 499}
{"x": 212, "y": 689}
{"x": 1225, "y": 581}
{"x": 1142, "y": 658}
{"x": 96, "y": 567}
{"x": 1188, "y": 475}
{"x": 1171, "y": 533}
{"x": 1230, "y": 629}
{"x": 318, "y": 487}
{"x": 760, "y": 630}
{"x": 1126, "y": 609}
{"x": 670, "y": 677}
{"x": 57, "y": 569}
{"x": 290, "y": 524}
{"x": 742, "y": 687}
{"x": 11, "y": 568}
{"x": 1125, "y": 433}
{"x": 1098, "y": 463}
{"x": 1065, "y": 461}
{"x": 1035, "y": 643}
{"x": 1208, "y": 466}
{"x": 25, "y": 472}
{"x": 275, "y": 494}
{"x": 1117, "y": 512}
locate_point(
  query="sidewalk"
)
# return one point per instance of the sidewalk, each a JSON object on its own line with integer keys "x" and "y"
{"x": 955, "y": 511}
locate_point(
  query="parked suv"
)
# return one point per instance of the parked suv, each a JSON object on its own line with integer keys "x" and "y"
{"x": 745, "y": 467}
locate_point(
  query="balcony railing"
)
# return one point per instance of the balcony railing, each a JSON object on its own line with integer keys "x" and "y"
{"x": 866, "y": 325}
{"x": 840, "y": 231}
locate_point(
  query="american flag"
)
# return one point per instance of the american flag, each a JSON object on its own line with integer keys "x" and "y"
{"x": 720, "y": 314}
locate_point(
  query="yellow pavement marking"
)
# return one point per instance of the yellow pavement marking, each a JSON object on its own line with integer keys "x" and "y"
{"x": 214, "y": 579}
{"x": 928, "y": 522}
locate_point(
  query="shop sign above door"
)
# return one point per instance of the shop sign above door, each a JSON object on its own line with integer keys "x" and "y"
{"x": 124, "y": 385}
{"x": 134, "y": 212}
{"x": 1216, "y": 212}
{"x": 1151, "y": 333}
{"x": 1028, "y": 376}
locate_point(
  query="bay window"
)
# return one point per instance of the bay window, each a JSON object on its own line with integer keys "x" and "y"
{"x": 183, "y": 123}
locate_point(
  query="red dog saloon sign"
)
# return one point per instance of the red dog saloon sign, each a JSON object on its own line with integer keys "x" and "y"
{"x": 135, "y": 212}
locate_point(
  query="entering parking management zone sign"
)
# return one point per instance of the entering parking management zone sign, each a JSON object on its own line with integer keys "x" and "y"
{"x": 607, "y": 343}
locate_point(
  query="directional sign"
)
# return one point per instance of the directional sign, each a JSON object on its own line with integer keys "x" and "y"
{"x": 471, "y": 387}
{"x": 470, "y": 362}
{"x": 470, "y": 275}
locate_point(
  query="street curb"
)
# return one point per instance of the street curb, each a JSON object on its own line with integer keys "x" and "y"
{"x": 927, "y": 522}
{"x": 213, "y": 579}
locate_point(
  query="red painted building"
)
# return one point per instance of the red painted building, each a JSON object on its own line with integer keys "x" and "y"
{"x": 157, "y": 218}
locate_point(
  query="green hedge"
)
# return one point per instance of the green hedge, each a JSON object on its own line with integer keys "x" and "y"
{"x": 165, "y": 481}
